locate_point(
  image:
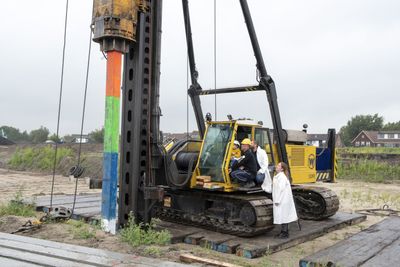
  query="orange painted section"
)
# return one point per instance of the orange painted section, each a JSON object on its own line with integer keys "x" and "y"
{"x": 113, "y": 82}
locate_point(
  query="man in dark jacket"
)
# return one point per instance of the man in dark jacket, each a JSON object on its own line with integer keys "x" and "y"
{"x": 245, "y": 169}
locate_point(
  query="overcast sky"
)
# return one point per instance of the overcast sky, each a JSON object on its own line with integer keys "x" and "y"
{"x": 330, "y": 60}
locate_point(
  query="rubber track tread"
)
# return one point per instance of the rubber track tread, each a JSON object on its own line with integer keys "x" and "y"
{"x": 330, "y": 201}
{"x": 261, "y": 204}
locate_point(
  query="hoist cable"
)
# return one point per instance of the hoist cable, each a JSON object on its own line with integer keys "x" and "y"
{"x": 59, "y": 104}
{"x": 187, "y": 97}
{"x": 215, "y": 59}
{"x": 83, "y": 117}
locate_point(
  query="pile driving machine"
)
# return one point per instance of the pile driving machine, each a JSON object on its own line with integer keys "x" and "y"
{"x": 189, "y": 182}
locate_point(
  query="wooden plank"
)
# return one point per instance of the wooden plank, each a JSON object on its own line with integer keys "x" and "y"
{"x": 194, "y": 239}
{"x": 178, "y": 231}
{"x": 360, "y": 248}
{"x": 65, "y": 201}
{"x": 229, "y": 246}
{"x": 258, "y": 246}
{"x": 388, "y": 257}
{"x": 212, "y": 240}
{"x": 61, "y": 197}
{"x": 189, "y": 258}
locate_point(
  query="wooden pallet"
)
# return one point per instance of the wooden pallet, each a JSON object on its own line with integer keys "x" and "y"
{"x": 260, "y": 245}
{"x": 88, "y": 208}
{"x": 19, "y": 251}
{"x": 379, "y": 245}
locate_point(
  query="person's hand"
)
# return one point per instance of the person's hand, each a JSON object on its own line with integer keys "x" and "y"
{"x": 241, "y": 167}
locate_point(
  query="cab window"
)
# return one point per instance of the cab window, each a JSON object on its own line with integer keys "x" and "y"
{"x": 243, "y": 132}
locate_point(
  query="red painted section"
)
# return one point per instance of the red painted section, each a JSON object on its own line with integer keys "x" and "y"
{"x": 113, "y": 82}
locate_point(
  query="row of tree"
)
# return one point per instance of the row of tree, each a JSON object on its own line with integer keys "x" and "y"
{"x": 42, "y": 134}
{"x": 348, "y": 132}
{"x": 367, "y": 123}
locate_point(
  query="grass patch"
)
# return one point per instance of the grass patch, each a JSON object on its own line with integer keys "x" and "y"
{"x": 144, "y": 234}
{"x": 369, "y": 171}
{"x": 369, "y": 150}
{"x": 38, "y": 158}
{"x": 17, "y": 208}
{"x": 81, "y": 230}
{"x": 367, "y": 199}
{"x": 153, "y": 251}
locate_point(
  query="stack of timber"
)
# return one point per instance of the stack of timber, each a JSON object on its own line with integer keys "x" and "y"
{"x": 379, "y": 245}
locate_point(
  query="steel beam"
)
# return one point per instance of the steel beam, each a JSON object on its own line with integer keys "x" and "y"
{"x": 267, "y": 83}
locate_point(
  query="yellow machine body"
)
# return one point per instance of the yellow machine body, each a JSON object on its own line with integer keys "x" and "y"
{"x": 213, "y": 164}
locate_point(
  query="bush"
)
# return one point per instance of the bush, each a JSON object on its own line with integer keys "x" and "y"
{"x": 39, "y": 158}
{"x": 144, "y": 234}
{"x": 17, "y": 208}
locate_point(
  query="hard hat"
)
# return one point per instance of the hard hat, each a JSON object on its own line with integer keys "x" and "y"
{"x": 246, "y": 141}
{"x": 236, "y": 142}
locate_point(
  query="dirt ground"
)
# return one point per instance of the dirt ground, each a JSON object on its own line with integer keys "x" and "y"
{"x": 353, "y": 196}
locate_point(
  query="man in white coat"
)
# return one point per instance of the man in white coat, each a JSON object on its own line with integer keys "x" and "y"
{"x": 284, "y": 208}
{"x": 262, "y": 178}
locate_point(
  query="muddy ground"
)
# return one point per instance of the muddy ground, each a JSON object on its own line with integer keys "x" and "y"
{"x": 353, "y": 196}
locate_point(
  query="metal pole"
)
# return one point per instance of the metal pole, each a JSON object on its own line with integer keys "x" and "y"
{"x": 111, "y": 141}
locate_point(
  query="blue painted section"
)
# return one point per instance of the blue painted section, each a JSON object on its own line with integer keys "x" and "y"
{"x": 324, "y": 161}
{"x": 222, "y": 248}
{"x": 109, "y": 186}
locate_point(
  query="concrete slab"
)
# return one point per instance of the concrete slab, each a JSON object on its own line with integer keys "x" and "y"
{"x": 18, "y": 250}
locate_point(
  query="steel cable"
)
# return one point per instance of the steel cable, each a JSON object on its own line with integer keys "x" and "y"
{"x": 215, "y": 59}
{"x": 79, "y": 168}
{"x": 59, "y": 104}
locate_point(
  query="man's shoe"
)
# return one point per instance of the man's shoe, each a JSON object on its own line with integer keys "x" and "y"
{"x": 249, "y": 185}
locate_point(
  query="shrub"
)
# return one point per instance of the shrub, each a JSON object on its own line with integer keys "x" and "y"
{"x": 369, "y": 170}
{"x": 144, "y": 234}
{"x": 38, "y": 158}
{"x": 17, "y": 207}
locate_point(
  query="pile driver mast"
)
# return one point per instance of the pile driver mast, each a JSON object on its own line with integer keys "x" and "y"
{"x": 133, "y": 29}
{"x": 148, "y": 174}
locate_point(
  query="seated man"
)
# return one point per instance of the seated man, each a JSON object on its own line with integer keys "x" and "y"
{"x": 236, "y": 150}
{"x": 244, "y": 170}
{"x": 262, "y": 163}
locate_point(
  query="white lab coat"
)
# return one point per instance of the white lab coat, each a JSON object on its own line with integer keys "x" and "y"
{"x": 262, "y": 159}
{"x": 285, "y": 211}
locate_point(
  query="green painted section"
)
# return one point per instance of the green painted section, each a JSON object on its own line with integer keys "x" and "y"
{"x": 111, "y": 125}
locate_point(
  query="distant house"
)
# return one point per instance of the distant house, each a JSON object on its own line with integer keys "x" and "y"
{"x": 5, "y": 142}
{"x": 76, "y": 138}
{"x": 181, "y": 136}
{"x": 319, "y": 140}
{"x": 377, "y": 139}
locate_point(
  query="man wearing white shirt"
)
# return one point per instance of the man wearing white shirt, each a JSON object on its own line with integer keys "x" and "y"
{"x": 262, "y": 163}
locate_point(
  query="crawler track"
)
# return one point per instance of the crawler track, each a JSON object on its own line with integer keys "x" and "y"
{"x": 240, "y": 215}
{"x": 315, "y": 203}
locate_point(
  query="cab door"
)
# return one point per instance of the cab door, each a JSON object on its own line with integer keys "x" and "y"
{"x": 263, "y": 138}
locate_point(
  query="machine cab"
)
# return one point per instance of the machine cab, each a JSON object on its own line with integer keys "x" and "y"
{"x": 212, "y": 169}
